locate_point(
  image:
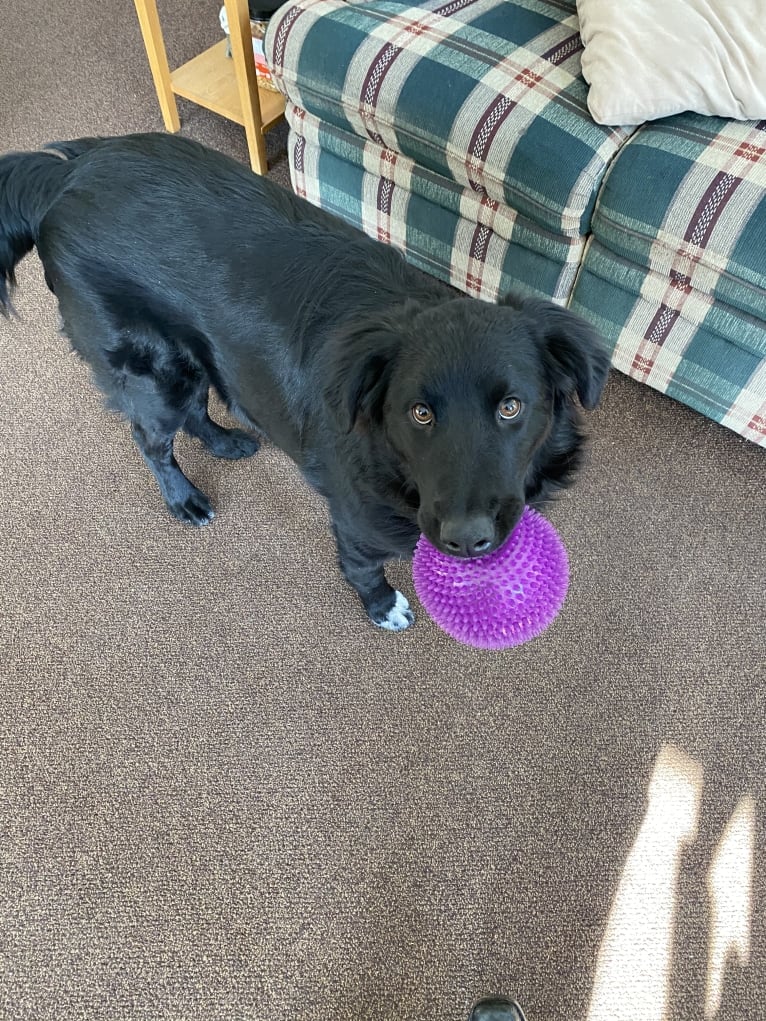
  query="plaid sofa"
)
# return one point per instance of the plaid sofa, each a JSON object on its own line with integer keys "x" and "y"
{"x": 459, "y": 132}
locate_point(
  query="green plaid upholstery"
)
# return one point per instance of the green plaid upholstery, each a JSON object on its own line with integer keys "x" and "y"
{"x": 481, "y": 247}
{"x": 458, "y": 131}
{"x": 484, "y": 93}
{"x": 675, "y": 273}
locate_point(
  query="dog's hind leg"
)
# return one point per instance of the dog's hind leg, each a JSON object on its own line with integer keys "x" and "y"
{"x": 229, "y": 443}
{"x": 154, "y": 386}
{"x": 144, "y": 374}
{"x": 363, "y": 570}
{"x": 184, "y": 500}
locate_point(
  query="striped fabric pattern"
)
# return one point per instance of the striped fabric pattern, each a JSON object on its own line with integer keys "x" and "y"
{"x": 485, "y": 93}
{"x": 475, "y": 243}
{"x": 687, "y": 254}
{"x": 458, "y": 131}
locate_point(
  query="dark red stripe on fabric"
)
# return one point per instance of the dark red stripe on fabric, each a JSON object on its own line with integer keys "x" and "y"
{"x": 681, "y": 281}
{"x": 642, "y": 365}
{"x": 564, "y": 50}
{"x": 711, "y": 205}
{"x": 480, "y": 243}
{"x": 384, "y": 198}
{"x": 454, "y": 5}
{"x": 283, "y": 32}
{"x": 661, "y": 325}
{"x": 758, "y": 424}
{"x": 489, "y": 203}
{"x": 748, "y": 151}
{"x": 529, "y": 78}
{"x": 489, "y": 125}
{"x": 377, "y": 72}
{"x": 701, "y": 225}
{"x": 298, "y": 154}
{"x": 751, "y": 151}
{"x": 385, "y": 191}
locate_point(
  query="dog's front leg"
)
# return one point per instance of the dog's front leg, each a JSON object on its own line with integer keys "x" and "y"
{"x": 363, "y": 569}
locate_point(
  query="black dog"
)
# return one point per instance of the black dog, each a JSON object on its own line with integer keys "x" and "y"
{"x": 409, "y": 407}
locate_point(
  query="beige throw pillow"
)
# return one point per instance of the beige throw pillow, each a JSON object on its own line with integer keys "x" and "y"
{"x": 645, "y": 59}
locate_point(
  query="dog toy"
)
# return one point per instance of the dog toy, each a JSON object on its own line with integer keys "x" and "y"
{"x": 499, "y": 600}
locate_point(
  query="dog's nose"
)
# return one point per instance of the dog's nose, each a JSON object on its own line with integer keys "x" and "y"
{"x": 467, "y": 537}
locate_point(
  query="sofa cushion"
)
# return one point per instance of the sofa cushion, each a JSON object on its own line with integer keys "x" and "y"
{"x": 654, "y": 58}
{"x": 485, "y": 93}
{"x": 474, "y": 243}
{"x": 673, "y": 276}
{"x": 687, "y": 199}
{"x": 698, "y": 350}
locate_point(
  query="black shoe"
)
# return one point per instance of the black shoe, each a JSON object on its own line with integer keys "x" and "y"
{"x": 496, "y": 1008}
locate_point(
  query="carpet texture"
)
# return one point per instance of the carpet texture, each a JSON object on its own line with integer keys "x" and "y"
{"x": 225, "y": 796}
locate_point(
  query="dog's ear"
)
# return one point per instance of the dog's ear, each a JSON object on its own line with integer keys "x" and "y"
{"x": 575, "y": 355}
{"x": 361, "y": 360}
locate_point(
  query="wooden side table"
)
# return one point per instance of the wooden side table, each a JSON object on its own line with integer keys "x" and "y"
{"x": 226, "y": 85}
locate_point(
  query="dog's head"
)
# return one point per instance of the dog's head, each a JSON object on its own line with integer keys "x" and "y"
{"x": 477, "y": 402}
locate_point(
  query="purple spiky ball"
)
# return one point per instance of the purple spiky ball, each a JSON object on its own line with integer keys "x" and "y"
{"x": 499, "y": 600}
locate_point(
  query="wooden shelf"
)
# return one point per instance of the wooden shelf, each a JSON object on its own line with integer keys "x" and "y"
{"x": 226, "y": 85}
{"x": 209, "y": 80}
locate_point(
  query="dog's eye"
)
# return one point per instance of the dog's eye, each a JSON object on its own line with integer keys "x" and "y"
{"x": 509, "y": 408}
{"x": 422, "y": 414}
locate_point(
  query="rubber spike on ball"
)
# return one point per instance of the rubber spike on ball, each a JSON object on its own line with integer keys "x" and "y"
{"x": 500, "y": 600}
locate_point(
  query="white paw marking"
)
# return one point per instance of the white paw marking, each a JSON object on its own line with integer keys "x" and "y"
{"x": 399, "y": 617}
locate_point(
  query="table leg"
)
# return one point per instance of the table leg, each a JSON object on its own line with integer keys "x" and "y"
{"x": 158, "y": 61}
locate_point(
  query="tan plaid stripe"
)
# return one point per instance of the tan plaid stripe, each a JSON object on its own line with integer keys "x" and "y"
{"x": 378, "y": 161}
{"x": 295, "y": 116}
{"x": 280, "y": 41}
{"x": 662, "y": 331}
{"x": 386, "y": 58}
{"x": 723, "y": 379}
{"x": 694, "y": 245}
{"x": 748, "y": 415}
{"x": 478, "y": 257}
{"x": 384, "y": 202}
{"x": 711, "y": 209}
{"x": 283, "y": 46}
{"x": 515, "y": 90}
{"x": 485, "y": 227}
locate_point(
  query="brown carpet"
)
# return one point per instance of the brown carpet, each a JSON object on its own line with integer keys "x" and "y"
{"x": 224, "y": 795}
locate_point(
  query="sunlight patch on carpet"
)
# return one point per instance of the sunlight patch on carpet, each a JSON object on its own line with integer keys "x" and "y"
{"x": 730, "y": 888}
{"x": 633, "y": 969}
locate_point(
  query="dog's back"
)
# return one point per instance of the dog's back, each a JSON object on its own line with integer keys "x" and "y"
{"x": 163, "y": 232}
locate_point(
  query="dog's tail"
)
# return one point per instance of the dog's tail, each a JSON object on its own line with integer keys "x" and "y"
{"x": 29, "y": 183}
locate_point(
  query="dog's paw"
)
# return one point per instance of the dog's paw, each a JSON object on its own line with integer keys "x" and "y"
{"x": 399, "y": 617}
{"x": 233, "y": 444}
{"x": 196, "y": 509}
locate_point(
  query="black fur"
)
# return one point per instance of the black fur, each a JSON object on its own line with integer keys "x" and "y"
{"x": 176, "y": 269}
